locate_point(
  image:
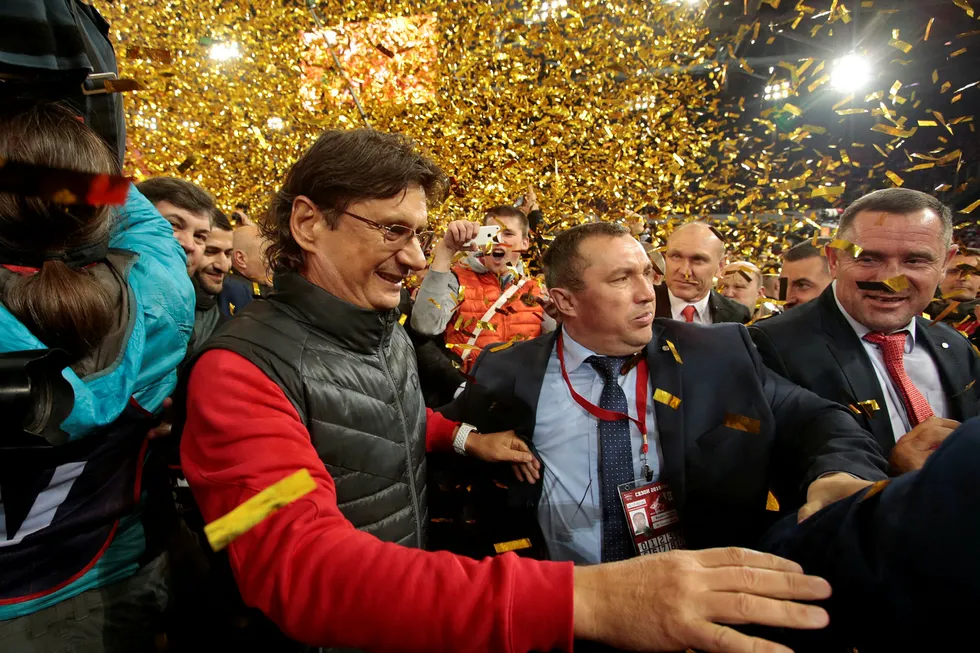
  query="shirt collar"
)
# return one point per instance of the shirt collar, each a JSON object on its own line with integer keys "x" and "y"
{"x": 677, "y": 304}
{"x": 860, "y": 330}
{"x": 574, "y": 353}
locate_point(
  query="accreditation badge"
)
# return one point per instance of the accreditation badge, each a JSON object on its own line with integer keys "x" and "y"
{"x": 653, "y": 521}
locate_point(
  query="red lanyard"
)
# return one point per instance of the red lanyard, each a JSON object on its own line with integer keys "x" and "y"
{"x": 642, "y": 377}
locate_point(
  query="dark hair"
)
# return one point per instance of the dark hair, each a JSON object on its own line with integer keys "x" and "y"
{"x": 504, "y": 211}
{"x": 179, "y": 192}
{"x": 563, "y": 266}
{"x": 64, "y": 307}
{"x": 341, "y": 168}
{"x": 805, "y": 250}
{"x": 901, "y": 201}
{"x": 219, "y": 220}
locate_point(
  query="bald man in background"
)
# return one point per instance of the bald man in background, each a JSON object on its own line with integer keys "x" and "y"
{"x": 250, "y": 277}
{"x": 695, "y": 255}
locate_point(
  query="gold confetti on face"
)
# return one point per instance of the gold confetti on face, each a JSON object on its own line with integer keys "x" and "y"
{"x": 846, "y": 246}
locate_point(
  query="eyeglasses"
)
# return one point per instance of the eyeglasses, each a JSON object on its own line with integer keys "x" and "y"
{"x": 397, "y": 235}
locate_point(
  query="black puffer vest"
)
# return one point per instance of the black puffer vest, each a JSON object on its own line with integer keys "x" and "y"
{"x": 351, "y": 374}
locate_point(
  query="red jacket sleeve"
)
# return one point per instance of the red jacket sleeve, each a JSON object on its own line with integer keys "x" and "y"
{"x": 438, "y": 431}
{"x": 322, "y": 581}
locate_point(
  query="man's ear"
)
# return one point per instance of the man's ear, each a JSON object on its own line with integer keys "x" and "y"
{"x": 239, "y": 260}
{"x": 563, "y": 300}
{"x": 832, "y": 260}
{"x": 303, "y": 222}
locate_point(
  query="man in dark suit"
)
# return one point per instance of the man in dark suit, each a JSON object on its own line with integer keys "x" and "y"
{"x": 721, "y": 441}
{"x": 901, "y": 557}
{"x": 913, "y": 391}
{"x": 695, "y": 255}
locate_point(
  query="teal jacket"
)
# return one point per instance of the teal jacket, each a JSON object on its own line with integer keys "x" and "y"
{"x": 161, "y": 301}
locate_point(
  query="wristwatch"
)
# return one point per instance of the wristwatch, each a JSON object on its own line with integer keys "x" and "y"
{"x": 459, "y": 440}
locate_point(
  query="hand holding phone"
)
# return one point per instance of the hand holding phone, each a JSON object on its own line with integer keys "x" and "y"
{"x": 486, "y": 236}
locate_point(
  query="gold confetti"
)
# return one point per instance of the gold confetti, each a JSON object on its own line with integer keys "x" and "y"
{"x": 673, "y": 350}
{"x": 970, "y": 208}
{"x": 957, "y": 53}
{"x": 664, "y": 397}
{"x": 793, "y": 109}
{"x": 461, "y": 345}
{"x": 772, "y": 505}
{"x": 742, "y": 423}
{"x": 893, "y": 131}
{"x": 513, "y": 545}
{"x": 897, "y": 283}
{"x": 929, "y": 28}
{"x": 502, "y": 347}
{"x": 846, "y": 246}
{"x": 900, "y": 45}
{"x": 824, "y": 191}
{"x": 242, "y": 519}
{"x": 868, "y": 408}
{"x": 876, "y": 488}
{"x": 401, "y": 320}
{"x": 435, "y": 303}
{"x": 895, "y": 179}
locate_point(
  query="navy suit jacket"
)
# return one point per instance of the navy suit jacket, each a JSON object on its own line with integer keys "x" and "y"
{"x": 720, "y": 475}
{"x": 901, "y": 558}
{"x": 814, "y": 346}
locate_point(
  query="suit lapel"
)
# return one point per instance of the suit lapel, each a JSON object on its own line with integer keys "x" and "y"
{"x": 716, "y": 309}
{"x": 859, "y": 374}
{"x": 954, "y": 378}
{"x": 527, "y": 384}
{"x": 663, "y": 302}
{"x": 665, "y": 375}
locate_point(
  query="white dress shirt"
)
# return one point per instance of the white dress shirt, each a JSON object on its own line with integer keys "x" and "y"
{"x": 919, "y": 365}
{"x": 701, "y": 313}
{"x": 566, "y": 437}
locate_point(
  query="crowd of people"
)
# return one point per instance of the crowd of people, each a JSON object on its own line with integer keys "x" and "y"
{"x": 644, "y": 447}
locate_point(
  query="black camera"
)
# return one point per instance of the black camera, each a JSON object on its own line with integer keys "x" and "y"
{"x": 35, "y": 398}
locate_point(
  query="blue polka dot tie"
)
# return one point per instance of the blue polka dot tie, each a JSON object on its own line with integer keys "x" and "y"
{"x": 616, "y": 459}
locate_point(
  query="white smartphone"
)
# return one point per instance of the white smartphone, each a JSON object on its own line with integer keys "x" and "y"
{"x": 486, "y": 236}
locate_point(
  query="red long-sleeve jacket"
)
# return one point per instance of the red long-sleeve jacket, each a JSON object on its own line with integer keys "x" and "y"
{"x": 322, "y": 581}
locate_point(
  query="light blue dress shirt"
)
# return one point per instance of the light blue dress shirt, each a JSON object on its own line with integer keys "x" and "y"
{"x": 566, "y": 437}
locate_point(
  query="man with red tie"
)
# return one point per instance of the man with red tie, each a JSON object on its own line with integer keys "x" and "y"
{"x": 906, "y": 380}
{"x": 695, "y": 255}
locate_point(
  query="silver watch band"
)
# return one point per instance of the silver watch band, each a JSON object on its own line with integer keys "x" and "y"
{"x": 459, "y": 441}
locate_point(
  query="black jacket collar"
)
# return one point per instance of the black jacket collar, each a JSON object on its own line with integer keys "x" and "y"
{"x": 358, "y": 329}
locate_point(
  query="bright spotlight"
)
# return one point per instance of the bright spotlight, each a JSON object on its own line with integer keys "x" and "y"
{"x": 225, "y": 51}
{"x": 850, "y": 73}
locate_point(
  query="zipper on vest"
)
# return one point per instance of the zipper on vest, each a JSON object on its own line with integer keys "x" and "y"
{"x": 408, "y": 450}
